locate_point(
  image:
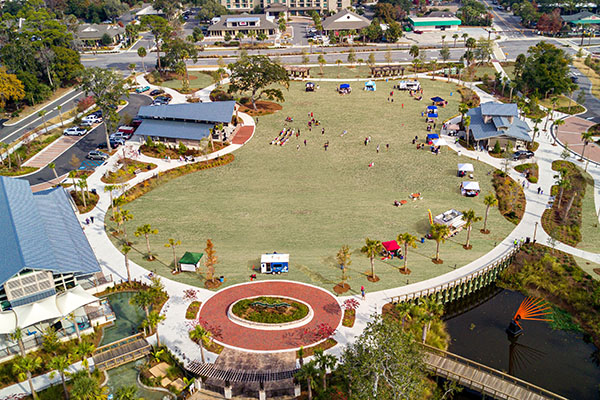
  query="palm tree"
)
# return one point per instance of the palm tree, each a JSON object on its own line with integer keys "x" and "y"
{"x": 50, "y": 342}
{"x": 85, "y": 350}
{"x": 52, "y": 166}
{"x": 59, "y": 108}
{"x": 308, "y": 373}
{"x": 122, "y": 217}
{"x": 443, "y": 37}
{"x": 407, "y": 240}
{"x": 143, "y": 300}
{"x": 126, "y": 393}
{"x": 469, "y": 217}
{"x": 125, "y": 249}
{"x": 203, "y": 337}
{"x": 110, "y": 189}
{"x": 465, "y": 36}
{"x": 558, "y": 123}
{"x": 23, "y": 367}
{"x": 60, "y": 364}
{"x": 563, "y": 183}
{"x": 432, "y": 310}
{"x": 82, "y": 186}
{"x": 404, "y": 310}
{"x": 146, "y": 230}
{"x": 455, "y": 37}
{"x": 17, "y": 336}
{"x": 372, "y": 248}
{"x": 152, "y": 322}
{"x": 142, "y": 53}
{"x": 4, "y": 147}
{"x": 414, "y": 51}
{"x": 324, "y": 362}
{"x": 343, "y": 259}
{"x": 587, "y": 138}
{"x": 87, "y": 388}
{"x": 172, "y": 243}
{"x": 467, "y": 124}
{"x": 463, "y": 109}
{"x": 42, "y": 113}
{"x": 489, "y": 201}
{"x": 439, "y": 233}
{"x": 71, "y": 317}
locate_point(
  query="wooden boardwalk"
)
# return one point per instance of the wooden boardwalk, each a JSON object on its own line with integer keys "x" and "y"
{"x": 481, "y": 378}
{"x": 121, "y": 352}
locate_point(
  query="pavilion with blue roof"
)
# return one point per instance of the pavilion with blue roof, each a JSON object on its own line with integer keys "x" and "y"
{"x": 491, "y": 122}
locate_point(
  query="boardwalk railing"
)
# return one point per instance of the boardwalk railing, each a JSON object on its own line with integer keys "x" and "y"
{"x": 511, "y": 388}
{"x": 463, "y": 285}
{"x": 121, "y": 351}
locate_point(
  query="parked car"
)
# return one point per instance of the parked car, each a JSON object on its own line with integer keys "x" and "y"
{"x": 119, "y": 136}
{"x": 75, "y": 131}
{"x": 97, "y": 155}
{"x": 156, "y": 92}
{"x": 523, "y": 154}
{"x": 136, "y": 122}
{"x": 418, "y": 32}
{"x": 97, "y": 113}
{"x": 142, "y": 89}
{"x": 90, "y": 120}
{"x": 114, "y": 143}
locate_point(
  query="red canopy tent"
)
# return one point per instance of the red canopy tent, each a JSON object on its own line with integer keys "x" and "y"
{"x": 390, "y": 246}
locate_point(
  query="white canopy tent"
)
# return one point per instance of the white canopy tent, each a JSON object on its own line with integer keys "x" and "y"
{"x": 440, "y": 142}
{"x": 42, "y": 310}
{"x": 72, "y": 299}
{"x": 8, "y": 322}
{"x": 470, "y": 189}
{"x": 466, "y": 167}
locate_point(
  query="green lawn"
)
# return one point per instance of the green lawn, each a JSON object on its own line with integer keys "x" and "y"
{"x": 342, "y": 71}
{"x": 588, "y": 266}
{"x": 590, "y": 228}
{"x": 309, "y": 202}
{"x": 198, "y": 80}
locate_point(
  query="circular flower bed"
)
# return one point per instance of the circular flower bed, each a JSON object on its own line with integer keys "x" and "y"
{"x": 270, "y": 310}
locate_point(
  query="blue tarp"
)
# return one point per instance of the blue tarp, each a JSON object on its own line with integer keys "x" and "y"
{"x": 437, "y": 99}
{"x": 432, "y": 107}
{"x": 432, "y": 136}
{"x": 432, "y": 115}
{"x": 344, "y": 86}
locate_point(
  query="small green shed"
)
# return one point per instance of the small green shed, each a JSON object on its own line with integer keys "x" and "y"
{"x": 190, "y": 261}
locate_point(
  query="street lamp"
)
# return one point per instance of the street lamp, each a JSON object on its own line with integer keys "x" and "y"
{"x": 535, "y": 231}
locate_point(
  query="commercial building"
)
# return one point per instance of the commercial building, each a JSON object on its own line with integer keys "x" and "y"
{"x": 345, "y": 20}
{"x": 288, "y": 7}
{"x": 46, "y": 265}
{"x": 496, "y": 122}
{"x": 435, "y": 21}
{"x": 186, "y": 123}
{"x": 92, "y": 34}
{"x": 582, "y": 18}
{"x": 244, "y": 23}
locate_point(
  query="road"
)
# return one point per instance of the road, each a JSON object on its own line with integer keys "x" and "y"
{"x": 8, "y": 134}
{"x": 87, "y": 143}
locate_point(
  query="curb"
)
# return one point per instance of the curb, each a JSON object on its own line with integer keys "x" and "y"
{"x": 34, "y": 112}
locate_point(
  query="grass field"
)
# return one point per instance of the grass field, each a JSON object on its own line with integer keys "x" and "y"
{"x": 198, "y": 80}
{"x": 590, "y": 229}
{"x": 309, "y": 202}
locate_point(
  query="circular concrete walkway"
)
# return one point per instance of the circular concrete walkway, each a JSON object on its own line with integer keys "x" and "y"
{"x": 213, "y": 314}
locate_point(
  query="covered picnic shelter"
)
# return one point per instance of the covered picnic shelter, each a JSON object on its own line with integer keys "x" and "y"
{"x": 297, "y": 72}
{"x": 190, "y": 261}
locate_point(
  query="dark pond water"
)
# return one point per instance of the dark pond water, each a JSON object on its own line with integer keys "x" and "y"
{"x": 562, "y": 362}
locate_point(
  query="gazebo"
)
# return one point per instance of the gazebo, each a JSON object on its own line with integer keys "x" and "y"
{"x": 438, "y": 101}
{"x": 190, "y": 261}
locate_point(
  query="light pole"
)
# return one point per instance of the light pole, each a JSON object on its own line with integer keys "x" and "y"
{"x": 535, "y": 231}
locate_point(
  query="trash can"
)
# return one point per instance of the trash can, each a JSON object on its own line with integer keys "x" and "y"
{"x": 222, "y": 279}
{"x": 422, "y": 240}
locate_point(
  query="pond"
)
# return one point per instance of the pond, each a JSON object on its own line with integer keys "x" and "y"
{"x": 560, "y": 361}
{"x": 128, "y": 318}
{"x": 126, "y": 375}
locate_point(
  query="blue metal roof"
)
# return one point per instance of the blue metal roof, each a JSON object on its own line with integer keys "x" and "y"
{"x": 499, "y": 109}
{"x": 216, "y": 112}
{"x": 40, "y": 231}
{"x": 174, "y": 129}
{"x": 480, "y": 130}
{"x": 501, "y": 122}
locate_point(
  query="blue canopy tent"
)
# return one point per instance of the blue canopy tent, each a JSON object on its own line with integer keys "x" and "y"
{"x": 432, "y": 115}
{"x": 370, "y": 86}
{"x": 437, "y": 99}
{"x": 432, "y": 136}
{"x": 432, "y": 108}
{"x": 344, "y": 86}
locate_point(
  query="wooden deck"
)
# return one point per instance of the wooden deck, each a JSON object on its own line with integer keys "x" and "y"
{"x": 481, "y": 378}
{"x": 121, "y": 352}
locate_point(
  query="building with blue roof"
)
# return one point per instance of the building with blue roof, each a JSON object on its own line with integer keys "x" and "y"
{"x": 43, "y": 248}
{"x": 187, "y": 123}
{"x": 498, "y": 122}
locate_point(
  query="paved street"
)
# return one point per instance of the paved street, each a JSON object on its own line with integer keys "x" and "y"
{"x": 87, "y": 143}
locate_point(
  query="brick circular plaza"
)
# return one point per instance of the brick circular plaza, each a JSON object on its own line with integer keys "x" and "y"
{"x": 213, "y": 314}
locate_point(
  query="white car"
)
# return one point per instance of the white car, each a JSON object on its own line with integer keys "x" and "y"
{"x": 118, "y": 136}
{"x": 75, "y": 131}
{"x": 94, "y": 119}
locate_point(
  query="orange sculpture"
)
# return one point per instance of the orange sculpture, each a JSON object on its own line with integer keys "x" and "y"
{"x": 531, "y": 309}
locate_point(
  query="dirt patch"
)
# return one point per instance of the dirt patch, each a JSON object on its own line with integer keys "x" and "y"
{"x": 263, "y": 107}
{"x": 212, "y": 283}
{"x": 597, "y": 270}
{"x": 436, "y": 261}
{"x": 405, "y": 271}
{"x": 341, "y": 288}
{"x": 469, "y": 247}
{"x": 485, "y": 231}
{"x": 372, "y": 278}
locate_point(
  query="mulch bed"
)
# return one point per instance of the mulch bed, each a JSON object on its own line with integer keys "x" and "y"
{"x": 309, "y": 351}
{"x": 531, "y": 170}
{"x": 262, "y": 108}
{"x": 349, "y": 318}
{"x": 127, "y": 171}
{"x": 566, "y": 228}
{"x": 438, "y": 262}
{"x": 373, "y": 279}
{"x": 511, "y": 199}
{"x": 91, "y": 201}
{"x": 192, "y": 310}
{"x": 341, "y": 288}
{"x": 404, "y": 271}
{"x": 212, "y": 284}
{"x": 597, "y": 270}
